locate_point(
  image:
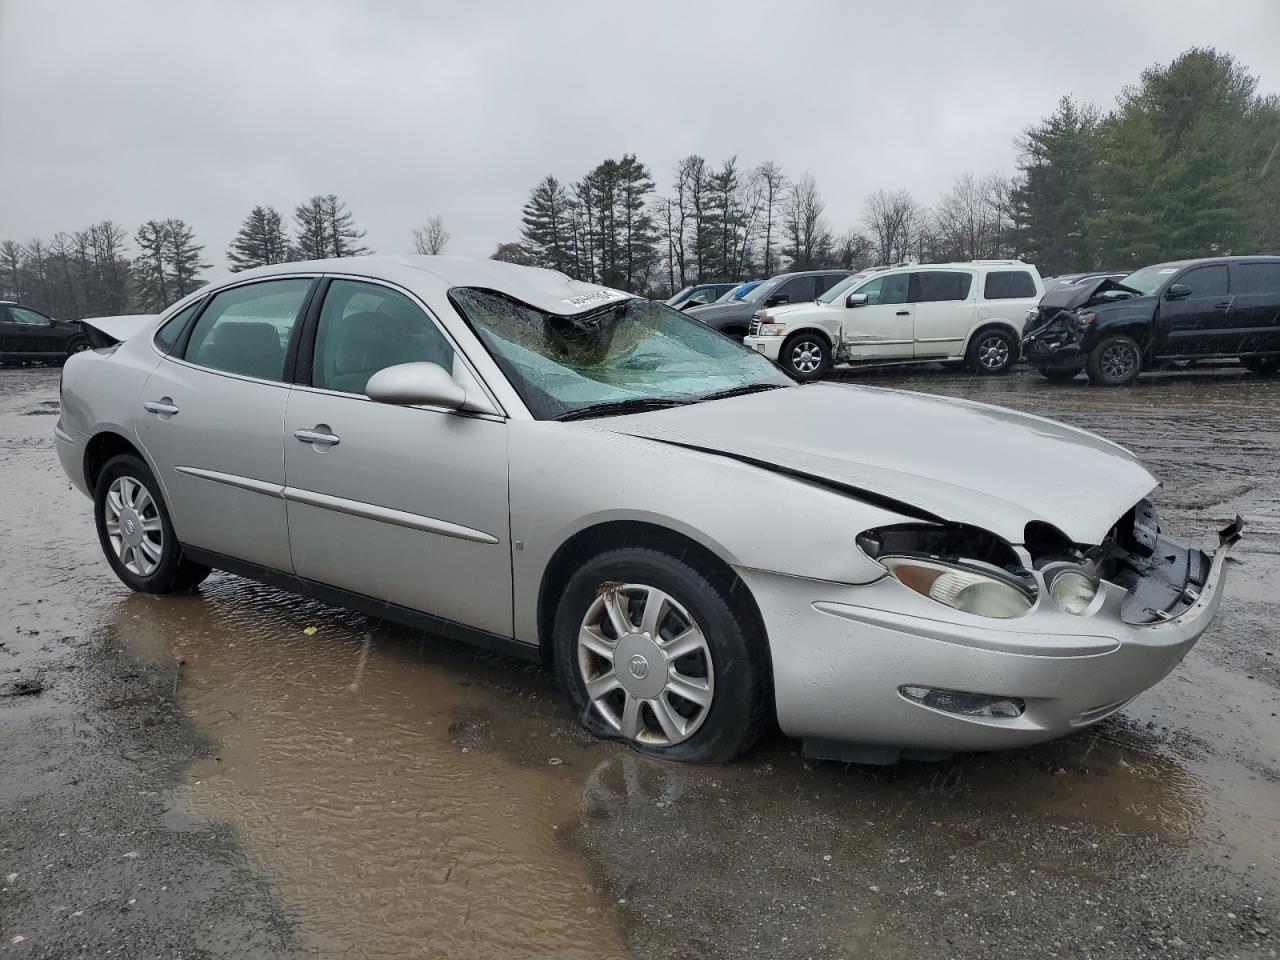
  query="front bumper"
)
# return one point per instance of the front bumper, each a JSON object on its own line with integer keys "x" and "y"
{"x": 1053, "y": 352}
{"x": 770, "y": 347}
{"x": 841, "y": 653}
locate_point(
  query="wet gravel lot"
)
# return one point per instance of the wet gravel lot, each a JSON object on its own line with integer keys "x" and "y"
{"x": 241, "y": 773}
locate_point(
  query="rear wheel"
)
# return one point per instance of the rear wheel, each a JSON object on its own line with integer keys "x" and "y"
{"x": 655, "y": 651}
{"x": 806, "y": 355}
{"x": 1263, "y": 366}
{"x": 1115, "y": 362}
{"x": 136, "y": 533}
{"x": 991, "y": 352}
{"x": 77, "y": 345}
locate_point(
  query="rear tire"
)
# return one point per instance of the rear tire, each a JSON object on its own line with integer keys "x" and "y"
{"x": 991, "y": 352}
{"x": 77, "y": 345}
{"x": 1262, "y": 366}
{"x": 689, "y": 681}
{"x": 1115, "y": 361}
{"x": 136, "y": 533}
{"x": 805, "y": 355}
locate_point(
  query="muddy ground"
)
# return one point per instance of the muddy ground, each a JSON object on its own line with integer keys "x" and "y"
{"x": 240, "y": 773}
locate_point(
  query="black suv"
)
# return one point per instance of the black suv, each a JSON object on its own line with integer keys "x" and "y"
{"x": 1223, "y": 307}
{"x": 802, "y": 287}
{"x": 27, "y": 335}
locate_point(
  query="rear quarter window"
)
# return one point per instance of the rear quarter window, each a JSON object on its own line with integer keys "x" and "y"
{"x": 1256, "y": 278}
{"x": 1009, "y": 285}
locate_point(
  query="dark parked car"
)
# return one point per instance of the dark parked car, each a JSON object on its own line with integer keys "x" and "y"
{"x": 1223, "y": 307}
{"x": 27, "y": 335}
{"x": 734, "y": 318}
{"x": 699, "y": 295}
{"x": 1075, "y": 279}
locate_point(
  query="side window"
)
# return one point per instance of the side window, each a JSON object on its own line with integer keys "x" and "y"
{"x": 1214, "y": 281}
{"x": 365, "y": 327}
{"x": 168, "y": 335}
{"x": 826, "y": 281}
{"x": 935, "y": 286}
{"x": 886, "y": 289}
{"x": 28, "y": 318}
{"x": 1009, "y": 285}
{"x": 246, "y": 330}
{"x": 796, "y": 290}
{"x": 1256, "y": 278}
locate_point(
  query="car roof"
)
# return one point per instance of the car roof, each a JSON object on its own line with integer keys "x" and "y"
{"x": 547, "y": 290}
{"x": 1198, "y": 261}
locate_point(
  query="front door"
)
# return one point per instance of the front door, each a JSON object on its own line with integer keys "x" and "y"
{"x": 944, "y": 309}
{"x": 405, "y": 504}
{"x": 30, "y": 333}
{"x": 212, "y": 421}
{"x": 1202, "y": 322}
{"x": 882, "y": 328}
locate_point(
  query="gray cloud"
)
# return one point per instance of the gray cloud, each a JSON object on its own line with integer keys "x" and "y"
{"x": 133, "y": 110}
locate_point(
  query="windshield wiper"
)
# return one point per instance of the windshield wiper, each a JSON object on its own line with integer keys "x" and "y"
{"x": 742, "y": 391}
{"x": 619, "y": 408}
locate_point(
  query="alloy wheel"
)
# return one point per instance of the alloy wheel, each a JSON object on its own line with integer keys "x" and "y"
{"x": 646, "y": 664}
{"x": 806, "y": 356}
{"x": 133, "y": 526}
{"x": 1118, "y": 361}
{"x": 993, "y": 352}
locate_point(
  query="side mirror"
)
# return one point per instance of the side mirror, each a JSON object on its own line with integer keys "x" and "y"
{"x": 856, "y": 300}
{"x": 1177, "y": 291}
{"x": 776, "y": 299}
{"x": 407, "y": 384}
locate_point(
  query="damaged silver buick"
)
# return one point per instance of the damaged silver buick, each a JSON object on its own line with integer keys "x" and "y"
{"x": 696, "y": 544}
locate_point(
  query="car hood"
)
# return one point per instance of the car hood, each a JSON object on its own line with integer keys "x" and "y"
{"x": 723, "y": 311}
{"x": 953, "y": 459}
{"x": 1077, "y": 295}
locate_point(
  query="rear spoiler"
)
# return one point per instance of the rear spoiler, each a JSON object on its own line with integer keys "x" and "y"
{"x": 108, "y": 331}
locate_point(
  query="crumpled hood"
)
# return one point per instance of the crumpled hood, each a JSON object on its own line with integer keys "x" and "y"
{"x": 1078, "y": 294}
{"x": 966, "y": 462}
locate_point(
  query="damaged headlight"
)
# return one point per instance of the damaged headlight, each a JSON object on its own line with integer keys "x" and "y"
{"x": 1072, "y": 590}
{"x": 962, "y": 588}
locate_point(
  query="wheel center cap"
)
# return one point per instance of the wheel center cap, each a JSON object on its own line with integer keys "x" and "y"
{"x": 640, "y": 666}
{"x": 131, "y": 527}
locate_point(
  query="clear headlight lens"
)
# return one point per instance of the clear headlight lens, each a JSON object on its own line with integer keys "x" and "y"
{"x": 960, "y": 588}
{"x": 1073, "y": 591}
{"x": 772, "y": 329}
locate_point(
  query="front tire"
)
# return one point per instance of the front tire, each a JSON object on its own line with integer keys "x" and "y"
{"x": 657, "y": 651}
{"x": 136, "y": 533}
{"x": 991, "y": 352}
{"x": 1262, "y": 366}
{"x": 1115, "y": 361}
{"x": 805, "y": 355}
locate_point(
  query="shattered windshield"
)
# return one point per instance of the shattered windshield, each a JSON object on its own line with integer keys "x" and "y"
{"x": 631, "y": 353}
{"x": 1149, "y": 279}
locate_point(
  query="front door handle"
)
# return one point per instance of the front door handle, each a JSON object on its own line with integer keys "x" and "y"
{"x": 1224, "y": 304}
{"x": 319, "y": 436}
{"x": 164, "y": 407}
{"x": 903, "y": 313}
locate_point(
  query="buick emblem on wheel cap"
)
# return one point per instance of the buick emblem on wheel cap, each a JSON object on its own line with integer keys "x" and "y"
{"x": 639, "y": 667}
{"x": 128, "y": 526}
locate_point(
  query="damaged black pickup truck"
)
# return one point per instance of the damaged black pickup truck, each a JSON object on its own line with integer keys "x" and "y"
{"x": 1218, "y": 308}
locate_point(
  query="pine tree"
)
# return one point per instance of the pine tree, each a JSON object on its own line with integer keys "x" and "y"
{"x": 548, "y": 226}
{"x": 185, "y": 263}
{"x": 260, "y": 241}
{"x": 637, "y": 229}
{"x": 343, "y": 235}
{"x": 326, "y": 229}
{"x": 149, "y": 267}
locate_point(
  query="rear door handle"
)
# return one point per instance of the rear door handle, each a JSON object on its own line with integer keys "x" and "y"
{"x": 903, "y": 313}
{"x": 319, "y": 436}
{"x": 165, "y": 407}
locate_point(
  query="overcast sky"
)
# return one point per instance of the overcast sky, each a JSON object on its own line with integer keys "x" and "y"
{"x": 199, "y": 110}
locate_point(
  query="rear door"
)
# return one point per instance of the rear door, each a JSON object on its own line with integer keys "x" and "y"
{"x": 882, "y": 328}
{"x": 1201, "y": 323}
{"x": 405, "y": 504}
{"x": 945, "y": 303}
{"x": 8, "y": 331}
{"x": 212, "y": 420}
{"x": 1257, "y": 305}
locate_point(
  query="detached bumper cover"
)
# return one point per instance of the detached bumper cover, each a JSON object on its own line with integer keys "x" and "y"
{"x": 841, "y": 653}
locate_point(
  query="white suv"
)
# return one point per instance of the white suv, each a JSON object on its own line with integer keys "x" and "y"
{"x": 940, "y": 311}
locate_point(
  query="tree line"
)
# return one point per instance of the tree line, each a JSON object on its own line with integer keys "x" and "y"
{"x": 1186, "y": 164}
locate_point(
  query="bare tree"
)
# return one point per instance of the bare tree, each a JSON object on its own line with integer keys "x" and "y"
{"x": 854, "y": 250}
{"x": 807, "y": 231}
{"x": 431, "y": 238}
{"x": 972, "y": 221}
{"x": 893, "y": 219}
{"x": 773, "y": 187}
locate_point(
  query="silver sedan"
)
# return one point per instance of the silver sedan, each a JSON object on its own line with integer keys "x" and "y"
{"x": 697, "y": 545}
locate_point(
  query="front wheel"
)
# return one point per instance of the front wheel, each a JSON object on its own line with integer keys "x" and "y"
{"x": 805, "y": 355}
{"x": 136, "y": 533}
{"x": 656, "y": 651}
{"x": 1263, "y": 366}
{"x": 1116, "y": 361}
{"x": 991, "y": 352}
